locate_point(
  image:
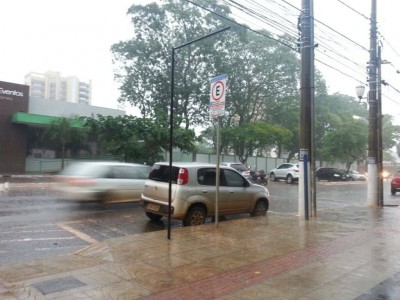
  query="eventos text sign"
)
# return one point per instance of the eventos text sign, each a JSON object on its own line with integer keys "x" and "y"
{"x": 10, "y": 91}
{"x": 217, "y": 96}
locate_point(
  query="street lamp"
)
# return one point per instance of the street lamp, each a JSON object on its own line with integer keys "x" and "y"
{"x": 360, "y": 91}
{"x": 171, "y": 117}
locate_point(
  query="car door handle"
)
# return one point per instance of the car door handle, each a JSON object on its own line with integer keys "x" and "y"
{"x": 204, "y": 191}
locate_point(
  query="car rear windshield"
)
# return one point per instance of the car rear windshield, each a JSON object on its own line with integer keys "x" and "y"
{"x": 161, "y": 173}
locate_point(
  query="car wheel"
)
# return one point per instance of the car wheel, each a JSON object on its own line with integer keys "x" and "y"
{"x": 272, "y": 176}
{"x": 393, "y": 191}
{"x": 289, "y": 179}
{"x": 195, "y": 216}
{"x": 153, "y": 217}
{"x": 260, "y": 209}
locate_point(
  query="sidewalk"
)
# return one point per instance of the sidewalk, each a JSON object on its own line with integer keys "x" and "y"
{"x": 347, "y": 253}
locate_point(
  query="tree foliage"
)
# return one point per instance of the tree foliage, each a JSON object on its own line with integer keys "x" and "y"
{"x": 246, "y": 139}
{"x": 136, "y": 139}
{"x": 65, "y": 133}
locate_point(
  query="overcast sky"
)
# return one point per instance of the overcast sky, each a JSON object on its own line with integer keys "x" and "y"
{"x": 74, "y": 37}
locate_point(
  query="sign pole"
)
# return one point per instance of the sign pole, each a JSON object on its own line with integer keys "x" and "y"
{"x": 217, "y": 173}
{"x": 217, "y": 110}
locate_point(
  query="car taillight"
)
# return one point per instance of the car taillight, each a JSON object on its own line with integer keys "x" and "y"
{"x": 296, "y": 170}
{"x": 81, "y": 182}
{"x": 183, "y": 176}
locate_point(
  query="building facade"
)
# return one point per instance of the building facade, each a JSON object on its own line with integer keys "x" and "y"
{"x": 20, "y": 113}
{"x": 14, "y": 98}
{"x": 53, "y": 86}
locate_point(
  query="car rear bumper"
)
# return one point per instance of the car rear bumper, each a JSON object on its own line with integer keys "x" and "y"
{"x": 156, "y": 208}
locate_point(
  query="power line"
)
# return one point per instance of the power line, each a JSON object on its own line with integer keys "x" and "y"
{"x": 244, "y": 26}
{"x": 364, "y": 16}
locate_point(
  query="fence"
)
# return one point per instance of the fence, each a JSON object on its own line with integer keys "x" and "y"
{"x": 48, "y": 166}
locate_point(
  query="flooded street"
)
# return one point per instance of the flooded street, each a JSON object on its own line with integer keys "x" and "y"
{"x": 36, "y": 222}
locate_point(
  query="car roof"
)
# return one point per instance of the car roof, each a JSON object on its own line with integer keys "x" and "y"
{"x": 108, "y": 163}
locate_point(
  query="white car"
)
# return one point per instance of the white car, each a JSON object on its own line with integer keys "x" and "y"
{"x": 354, "y": 175}
{"x": 102, "y": 181}
{"x": 287, "y": 171}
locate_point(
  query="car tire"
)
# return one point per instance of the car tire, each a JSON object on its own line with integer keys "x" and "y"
{"x": 153, "y": 217}
{"x": 195, "y": 216}
{"x": 289, "y": 179}
{"x": 260, "y": 209}
{"x": 393, "y": 191}
{"x": 272, "y": 176}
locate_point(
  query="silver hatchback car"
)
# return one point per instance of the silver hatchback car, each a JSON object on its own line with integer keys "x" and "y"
{"x": 102, "y": 181}
{"x": 193, "y": 193}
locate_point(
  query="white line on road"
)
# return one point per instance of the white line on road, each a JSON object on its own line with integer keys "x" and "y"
{"x": 78, "y": 233}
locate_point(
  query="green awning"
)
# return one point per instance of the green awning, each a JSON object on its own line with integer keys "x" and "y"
{"x": 31, "y": 119}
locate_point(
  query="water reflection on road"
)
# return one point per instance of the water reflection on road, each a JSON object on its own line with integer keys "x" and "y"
{"x": 284, "y": 197}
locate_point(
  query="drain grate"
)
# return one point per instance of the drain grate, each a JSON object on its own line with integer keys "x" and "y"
{"x": 58, "y": 285}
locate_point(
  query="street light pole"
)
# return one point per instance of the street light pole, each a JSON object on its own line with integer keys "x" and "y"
{"x": 171, "y": 118}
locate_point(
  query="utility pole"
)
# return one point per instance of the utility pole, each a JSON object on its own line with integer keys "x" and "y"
{"x": 379, "y": 131}
{"x": 306, "y": 180}
{"x": 372, "y": 160}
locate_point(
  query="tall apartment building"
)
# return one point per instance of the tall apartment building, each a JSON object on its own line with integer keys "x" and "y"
{"x": 52, "y": 86}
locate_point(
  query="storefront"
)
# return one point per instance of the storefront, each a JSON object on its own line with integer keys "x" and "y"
{"x": 21, "y": 114}
{"x": 14, "y": 98}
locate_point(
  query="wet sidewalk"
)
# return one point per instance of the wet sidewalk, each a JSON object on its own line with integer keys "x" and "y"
{"x": 346, "y": 253}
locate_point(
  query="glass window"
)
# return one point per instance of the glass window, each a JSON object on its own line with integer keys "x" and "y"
{"x": 233, "y": 179}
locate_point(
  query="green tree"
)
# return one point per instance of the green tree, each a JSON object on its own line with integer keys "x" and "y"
{"x": 65, "y": 133}
{"x": 333, "y": 114}
{"x": 347, "y": 143}
{"x": 144, "y": 62}
{"x": 136, "y": 139}
{"x": 246, "y": 139}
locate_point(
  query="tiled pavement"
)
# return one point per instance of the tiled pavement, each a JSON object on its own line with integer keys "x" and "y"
{"x": 347, "y": 253}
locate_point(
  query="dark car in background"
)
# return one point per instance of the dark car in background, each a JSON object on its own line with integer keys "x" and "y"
{"x": 330, "y": 174}
{"x": 395, "y": 183}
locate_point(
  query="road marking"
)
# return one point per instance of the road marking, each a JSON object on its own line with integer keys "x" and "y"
{"x": 39, "y": 239}
{"x": 77, "y": 233}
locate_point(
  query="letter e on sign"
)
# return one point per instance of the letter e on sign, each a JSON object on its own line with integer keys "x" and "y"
{"x": 217, "y": 96}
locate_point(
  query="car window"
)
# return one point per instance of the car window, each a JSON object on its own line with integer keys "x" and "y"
{"x": 128, "y": 172}
{"x": 233, "y": 179}
{"x": 284, "y": 166}
{"x": 161, "y": 173}
{"x": 206, "y": 176}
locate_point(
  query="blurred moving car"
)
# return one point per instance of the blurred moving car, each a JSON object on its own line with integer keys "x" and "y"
{"x": 395, "y": 183}
{"x": 330, "y": 174}
{"x": 103, "y": 181}
{"x": 241, "y": 168}
{"x": 355, "y": 175}
{"x": 287, "y": 171}
{"x": 193, "y": 193}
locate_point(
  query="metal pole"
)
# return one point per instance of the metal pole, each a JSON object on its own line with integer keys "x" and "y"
{"x": 171, "y": 135}
{"x": 217, "y": 183}
{"x": 171, "y": 119}
{"x": 379, "y": 133}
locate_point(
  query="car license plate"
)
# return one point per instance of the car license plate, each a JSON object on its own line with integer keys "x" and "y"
{"x": 153, "y": 207}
